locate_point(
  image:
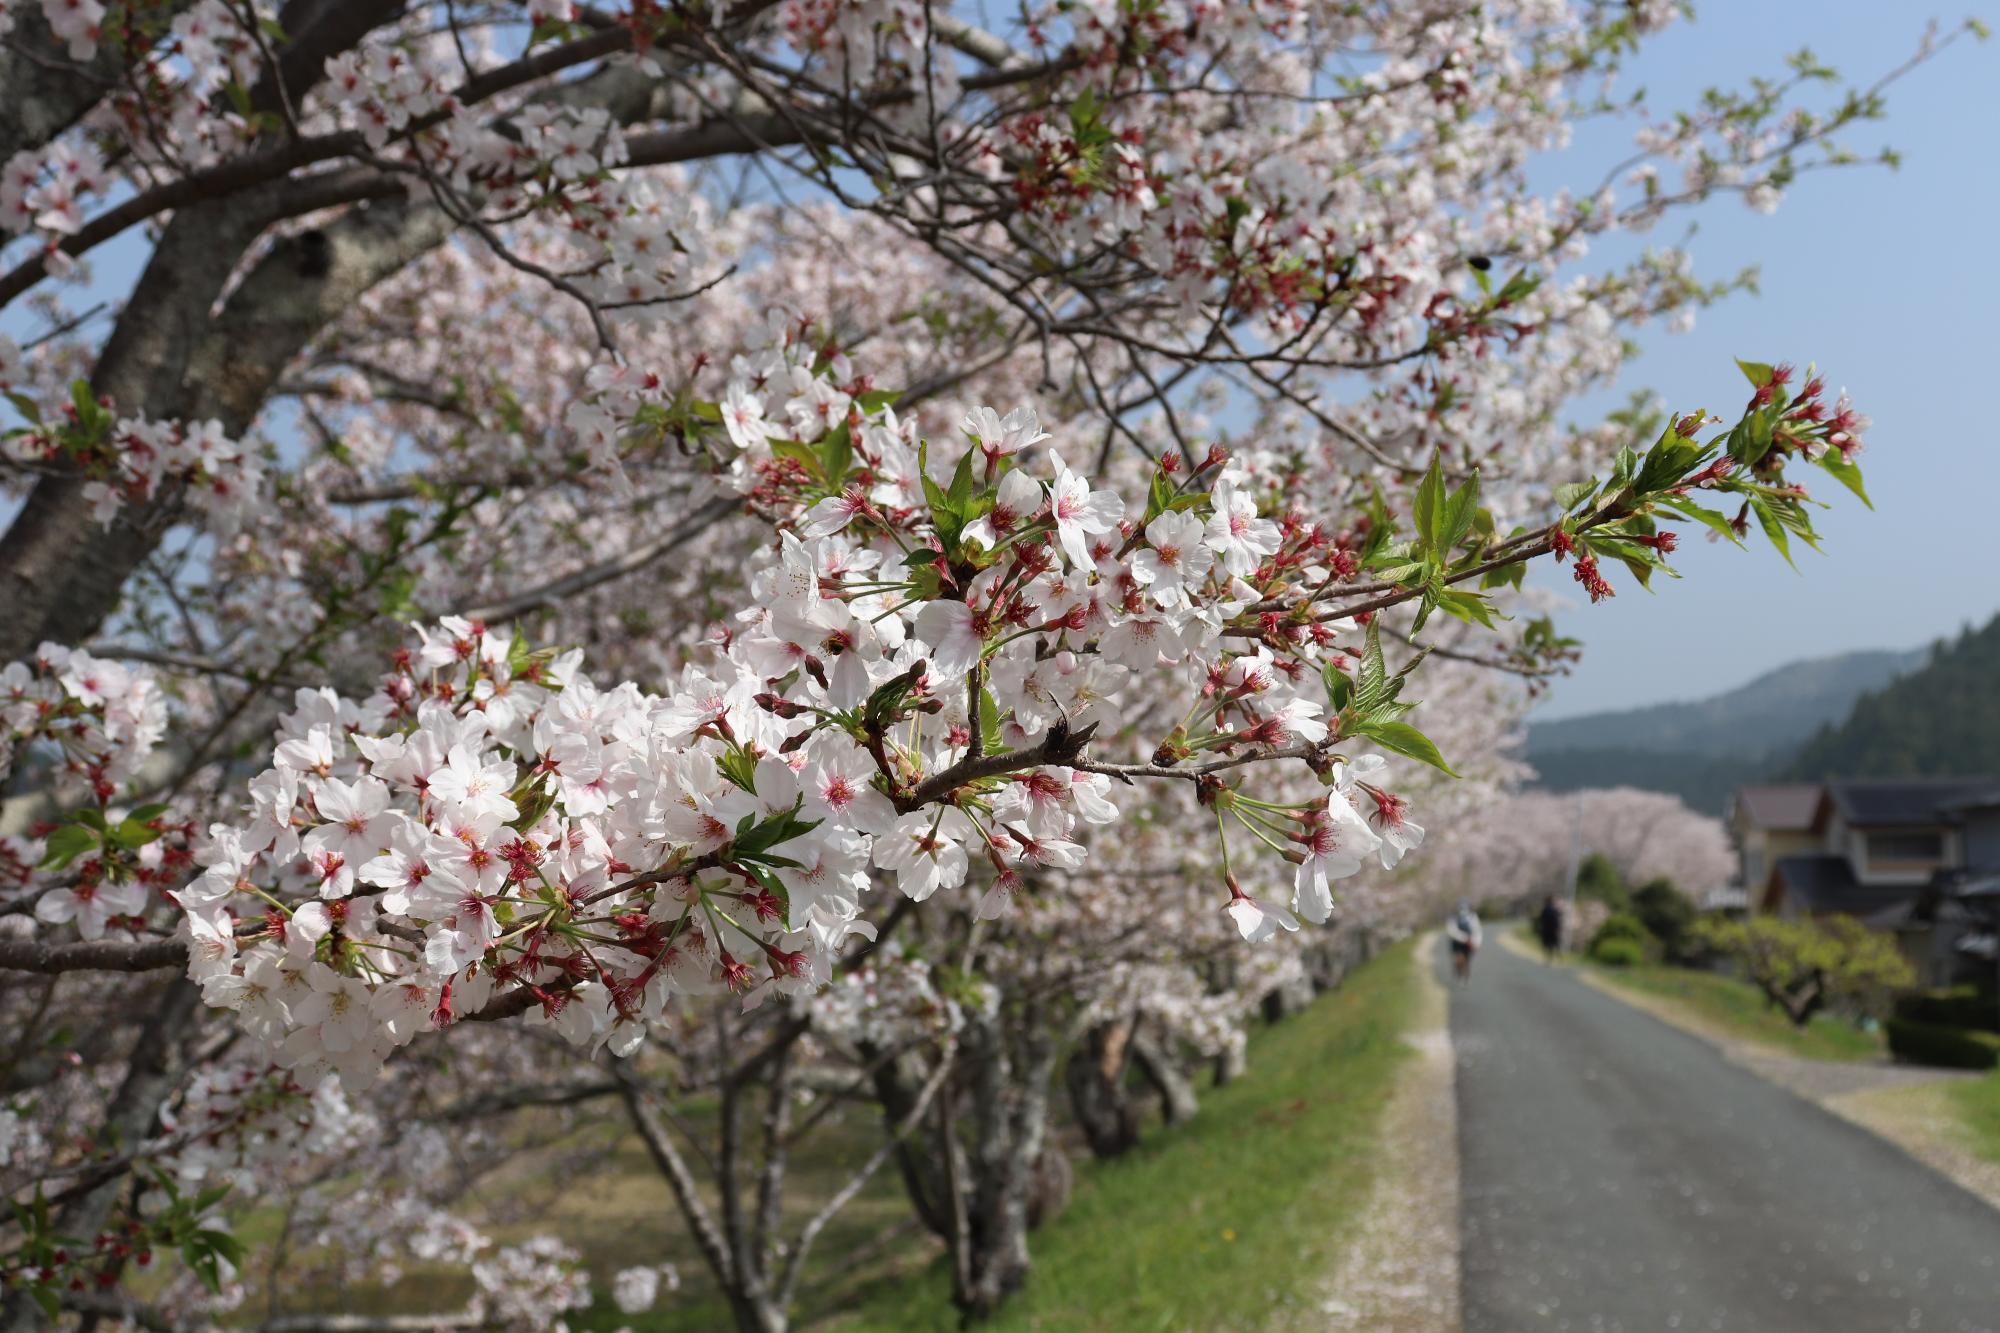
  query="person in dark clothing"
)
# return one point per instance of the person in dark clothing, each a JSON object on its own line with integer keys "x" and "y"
{"x": 1549, "y": 925}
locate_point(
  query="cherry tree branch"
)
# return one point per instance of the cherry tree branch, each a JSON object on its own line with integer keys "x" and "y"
{"x": 48, "y": 959}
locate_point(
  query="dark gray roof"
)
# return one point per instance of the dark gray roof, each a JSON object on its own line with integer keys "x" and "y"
{"x": 1826, "y": 884}
{"x": 1873, "y": 804}
{"x": 1787, "y": 806}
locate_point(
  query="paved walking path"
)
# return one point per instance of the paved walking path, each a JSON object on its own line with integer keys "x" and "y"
{"x": 1619, "y": 1174}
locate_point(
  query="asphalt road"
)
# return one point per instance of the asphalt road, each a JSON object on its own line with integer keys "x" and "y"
{"x": 1620, "y": 1175}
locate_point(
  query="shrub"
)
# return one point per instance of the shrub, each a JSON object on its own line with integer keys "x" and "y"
{"x": 1621, "y": 926}
{"x": 1597, "y": 879}
{"x": 1621, "y": 941}
{"x": 1802, "y": 966}
{"x": 1670, "y": 915}
{"x": 1618, "y": 952}
{"x": 1951, "y": 1007}
{"x": 1946, "y": 1047}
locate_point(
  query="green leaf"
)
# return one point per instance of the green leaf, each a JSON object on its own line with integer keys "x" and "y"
{"x": 25, "y": 406}
{"x": 1460, "y": 511}
{"x": 1400, "y": 571}
{"x": 1670, "y": 459}
{"x": 1469, "y": 607}
{"x": 1406, "y": 740}
{"x": 1759, "y": 439}
{"x": 1757, "y": 372}
{"x": 1773, "y": 529}
{"x": 804, "y": 455}
{"x": 224, "y": 1244}
{"x": 1571, "y": 494}
{"x": 1714, "y": 519}
{"x": 934, "y": 494}
{"x": 131, "y": 834}
{"x": 779, "y": 828}
{"x": 66, "y": 844}
{"x": 1428, "y": 512}
{"x": 1846, "y": 473}
{"x": 1371, "y": 687}
{"x": 989, "y": 721}
{"x": 960, "y": 495}
{"x": 1425, "y": 605}
{"x": 1339, "y": 686}
{"x": 836, "y": 451}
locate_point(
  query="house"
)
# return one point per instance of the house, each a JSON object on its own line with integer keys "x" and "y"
{"x": 1769, "y": 822}
{"x": 1916, "y": 856}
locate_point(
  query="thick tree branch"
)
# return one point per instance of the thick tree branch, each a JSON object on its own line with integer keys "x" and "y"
{"x": 49, "y": 959}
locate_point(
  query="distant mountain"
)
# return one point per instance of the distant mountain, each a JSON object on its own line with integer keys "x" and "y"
{"x": 1701, "y": 750}
{"x": 1942, "y": 720}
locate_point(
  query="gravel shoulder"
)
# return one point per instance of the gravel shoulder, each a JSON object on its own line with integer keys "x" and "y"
{"x": 1401, "y": 1275}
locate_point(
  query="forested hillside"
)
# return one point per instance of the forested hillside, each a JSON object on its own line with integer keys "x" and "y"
{"x": 1702, "y": 749}
{"x": 1942, "y": 720}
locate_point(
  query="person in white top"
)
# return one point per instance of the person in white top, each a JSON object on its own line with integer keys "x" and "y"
{"x": 1464, "y": 934}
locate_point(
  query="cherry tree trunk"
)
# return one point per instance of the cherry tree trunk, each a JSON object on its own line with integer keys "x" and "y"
{"x": 1159, "y": 1064}
{"x": 1098, "y": 1097}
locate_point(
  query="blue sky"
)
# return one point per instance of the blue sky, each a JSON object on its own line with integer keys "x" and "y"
{"x": 1891, "y": 282}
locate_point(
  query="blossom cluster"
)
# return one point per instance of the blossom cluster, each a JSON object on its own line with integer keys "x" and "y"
{"x": 131, "y": 461}
{"x": 75, "y": 23}
{"x": 930, "y": 646}
{"x": 101, "y": 718}
{"x": 237, "y": 1123}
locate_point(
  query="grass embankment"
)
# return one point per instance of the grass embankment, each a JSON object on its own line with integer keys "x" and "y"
{"x": 1738, "y": 1009}
{"x": 1977, "y": 1102}
{"x": 1242, "y": 1212}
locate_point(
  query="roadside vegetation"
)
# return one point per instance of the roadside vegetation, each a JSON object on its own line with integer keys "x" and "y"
{"x": 1741, "y": 1010}
{"x": 1193, "y": 1227}
{"x": 1245, "y": 1207}
{"x": 1978, "y": 1105}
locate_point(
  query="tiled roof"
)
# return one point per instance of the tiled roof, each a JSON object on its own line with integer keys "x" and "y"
{"x": 1784, "y": 806}
{"x": 1826, "y": 884}
{"x": 1905, "y": 800}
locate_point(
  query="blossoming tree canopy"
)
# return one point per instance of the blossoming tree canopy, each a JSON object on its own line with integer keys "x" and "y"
{"x": 529, "y": 545}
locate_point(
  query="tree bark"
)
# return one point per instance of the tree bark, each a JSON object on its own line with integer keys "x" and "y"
{"x": 1162, "y": 1071}
{"x": 1011, "y": 1126}
{"x": 1095, "y": 1077}
{"x": 45, "y": 91}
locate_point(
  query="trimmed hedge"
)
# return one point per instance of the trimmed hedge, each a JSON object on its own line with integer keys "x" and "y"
{"x": 1618, "y": 951}
{"x": 1945, "y": 1047}
{"x": 1951, "y": 1007}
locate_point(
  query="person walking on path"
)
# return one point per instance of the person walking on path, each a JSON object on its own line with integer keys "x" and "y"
{"x": 1549, "y": 926}
{"x": 1464, "y": 934}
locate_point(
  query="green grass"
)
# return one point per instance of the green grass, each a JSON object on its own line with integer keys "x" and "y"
{"x": 1243, "y": 1211}
{"x": 1740, "y": 1009}
{"x": 1978, "y": 1103}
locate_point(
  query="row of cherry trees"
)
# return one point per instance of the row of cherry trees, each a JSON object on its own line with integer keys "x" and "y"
{"x": 522, "y": 609}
